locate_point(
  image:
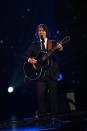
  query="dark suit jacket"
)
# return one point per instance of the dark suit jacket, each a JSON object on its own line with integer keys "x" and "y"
{"x": 52, "y": 71}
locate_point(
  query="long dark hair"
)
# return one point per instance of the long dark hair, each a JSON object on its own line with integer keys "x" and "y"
{"x": 44, "y": 26}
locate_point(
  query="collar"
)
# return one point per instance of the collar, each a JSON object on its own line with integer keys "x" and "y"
{"x": 45, "y": 40}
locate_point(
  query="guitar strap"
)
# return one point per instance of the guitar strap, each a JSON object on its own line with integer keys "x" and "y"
{"x": 49, "y": 45}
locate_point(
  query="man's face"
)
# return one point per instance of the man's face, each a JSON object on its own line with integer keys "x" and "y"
{"x": 41, "y": 32}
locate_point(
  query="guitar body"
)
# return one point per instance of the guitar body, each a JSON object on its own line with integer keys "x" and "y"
{"x": 30, "y": 72}
{"x": 33, "y": 72}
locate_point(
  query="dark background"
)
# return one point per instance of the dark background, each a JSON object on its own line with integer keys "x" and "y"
{"x": 18, "y": 21}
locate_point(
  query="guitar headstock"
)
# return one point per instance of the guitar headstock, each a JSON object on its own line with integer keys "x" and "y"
{"x": 65, "y": 39}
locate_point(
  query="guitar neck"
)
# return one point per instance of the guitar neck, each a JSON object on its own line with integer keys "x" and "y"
{"x": 63, "y": 41}
{"x": 50, "y": 52}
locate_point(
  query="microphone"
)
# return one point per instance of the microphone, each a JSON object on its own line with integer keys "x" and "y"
{"x": 42, "y": 38}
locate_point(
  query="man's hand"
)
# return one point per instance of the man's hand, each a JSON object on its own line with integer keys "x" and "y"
{"x": 59, "y": 46}
{"x": 32, "y": 60}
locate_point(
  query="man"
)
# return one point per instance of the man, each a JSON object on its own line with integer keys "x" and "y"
{"x": 46, "y": 83}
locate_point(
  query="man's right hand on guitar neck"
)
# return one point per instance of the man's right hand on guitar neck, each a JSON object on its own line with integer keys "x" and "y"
{"x": 32, "y": 60}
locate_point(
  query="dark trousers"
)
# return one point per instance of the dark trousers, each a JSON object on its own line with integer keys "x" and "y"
{"x": 47, "y": 97}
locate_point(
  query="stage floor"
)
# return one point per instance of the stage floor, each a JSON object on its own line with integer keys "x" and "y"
{"x": 66, "y": 122}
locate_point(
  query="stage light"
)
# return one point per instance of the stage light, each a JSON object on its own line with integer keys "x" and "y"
{"x": 10, "y": 89}
{"x": 1, "y": 41}
{"x": 60, "y": 77}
